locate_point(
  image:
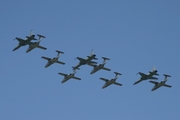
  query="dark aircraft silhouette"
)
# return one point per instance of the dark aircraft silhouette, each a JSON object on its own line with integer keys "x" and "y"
{"x": 162, "y": 83}
{"x": 24, "y": 42}
{"x": 147, "y": 76}
{"x": 111, "y": 81}
{"x": 100, "y": 66}
{"x": 88, "y": 60}
{"x": 53, "y": 60}
{"x": 33, "y": 45}
{"x": 69, "y": 76}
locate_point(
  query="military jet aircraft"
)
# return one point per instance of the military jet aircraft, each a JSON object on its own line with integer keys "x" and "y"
{"x": 69, "y": 76}
{"x": 88, "y": 60}
{"x": 111, "y": 81}
{"x": 147, "y": 76}
{"x": 53, "y": 60}
{"x": 33, "y": 45}
{"x": 23, "y": 42}
{"x": 100, "y": 66}
{"x": 162, "y": 83}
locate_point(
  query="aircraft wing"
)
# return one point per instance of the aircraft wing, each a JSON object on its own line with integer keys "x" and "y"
{"x": 104, "y": 79}
{"x": 92, "y": 57}
{"x": 16, "y": 47}
{"x": 31, "y": 43}
{"x": 165, "y": 85}
{"x": 60, "y": 62}
{"x": 81, "y": 59}
{"x": 19, "y": 39}
{"x": 41, "y": 47}
{"x": 116, "y": 83}
{"x": 153, "y": 82}
{"x": 62, "y": 74}
{"x": 76, "y": 78}
{"x": 153, "y": 78}
{"x": 46, "y": 58}
{"x": 142, "y": 74}
{"x": 106, "y": 69}
{"x": 92, "y": 65}
{"x": 92, "y": 62}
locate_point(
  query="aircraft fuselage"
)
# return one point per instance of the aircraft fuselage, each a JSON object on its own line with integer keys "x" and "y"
{"x": 88, "y": 60}
{"x": 109, "y": 83}
{"x": 84, "y": 62}
{"x": 67, "y": 78}
{"x": 149, "y": 76}
{"x": 24, "y": 42}
{"x": 32, "y": 46}
{"x": 27, "y": 40}
{"x": 158, "y": 85}
{"x": 97, "y": 68}
{"x": 50, "y": 62}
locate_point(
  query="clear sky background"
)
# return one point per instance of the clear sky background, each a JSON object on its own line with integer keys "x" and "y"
{"x": 135, "y": 34}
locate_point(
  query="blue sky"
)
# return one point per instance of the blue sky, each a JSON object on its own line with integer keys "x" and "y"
{"x": 135, "y": 35}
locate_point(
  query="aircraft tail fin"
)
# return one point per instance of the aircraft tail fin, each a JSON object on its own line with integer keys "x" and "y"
{"x": 154, "y": 71}
{"x": 92, "y": 52}
{"x": 166, "y": 77}
{"x": 40, "y": 37}
{"x": 117, "y": 73}
{"x": 31, "y": 32}
{"x": 92, "y": 55}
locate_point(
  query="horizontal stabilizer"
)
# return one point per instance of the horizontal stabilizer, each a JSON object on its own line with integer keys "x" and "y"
{"x": 41, "y": 36}
{"x": 59, "y": 51}
{"x": 117, "y": 73}
{"x": 105, "y": 58}
{"x": 166, "y": 75}
{"x": 157, "y": 74}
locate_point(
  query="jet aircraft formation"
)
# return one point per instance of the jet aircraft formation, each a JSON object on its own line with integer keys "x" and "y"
{"x": 87, "y": 61}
